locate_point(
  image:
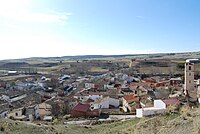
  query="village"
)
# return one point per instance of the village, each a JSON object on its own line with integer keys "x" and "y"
{"x": 107, "y": 96}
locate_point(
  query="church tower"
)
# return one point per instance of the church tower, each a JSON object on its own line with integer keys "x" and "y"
{"x": 190, "y": 89}
{"x": 189, "y": 77}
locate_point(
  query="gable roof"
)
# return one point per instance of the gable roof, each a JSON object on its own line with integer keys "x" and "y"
{"x": 82, "y": 107}
{"x": 131, "y": 98}
{"x": 171, "y": 101}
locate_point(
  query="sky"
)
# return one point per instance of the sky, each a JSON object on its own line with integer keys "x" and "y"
{"x": 48, "y": 28}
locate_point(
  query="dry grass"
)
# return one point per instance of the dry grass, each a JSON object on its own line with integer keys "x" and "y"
{"x": 15, "y": 127}
{"x": 98, "y": 69}
{"x": 163, "y": 124}
{"x": 7, "y": 78}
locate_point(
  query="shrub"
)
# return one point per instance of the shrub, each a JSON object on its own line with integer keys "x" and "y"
{"x": 181, "y": 65}
{"x": 184, "y": 110}
{"x": 2, "y": 129}
{"x": 171, "y": 109}
{"x": 55, "y": 121}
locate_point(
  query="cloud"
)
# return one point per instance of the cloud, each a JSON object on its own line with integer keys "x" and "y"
{"x": 36, "y": 17}
{"x": 43, "y": 17}
{"x": 20, "y": 11}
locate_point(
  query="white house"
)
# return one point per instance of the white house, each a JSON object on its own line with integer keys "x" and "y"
{"x": 89, "y": 85}
{"x": 13, "y": 99}
{"x": 16, "y": 114}
{"x": 101, "y": 103}
{"x": 12, "y": 72}
{"x": 105, "y": 103}
{"x": 5, "y": 97}
{"x": 18, "y": 98}
{"x": 90, "y": 95}
{"x": 42, "y": 110}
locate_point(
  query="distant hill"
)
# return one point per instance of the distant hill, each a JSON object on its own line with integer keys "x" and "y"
{"x": 83, "y": 56}
{"x": 184, "y": 55}
{"x": 11, "y": 65}
{"x": 109, "y": 56}
{"x": 95, "y": 56}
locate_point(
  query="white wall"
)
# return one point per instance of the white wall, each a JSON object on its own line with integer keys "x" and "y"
{"x": 124, "y": 105}
{"x": 139, "y": 113}
{"x": 89, "y": 85}
{"x": 108, "y": 86}
{"x": 3, "y": 114}
{"x": 105, "y": 103}
{"x": 95, "y": 97}
{"x": 18, "y": 98}
{"x": 153, "y": 112}
{"x": 13, "y": 113}
{"x": 5, "y": 97}
{"x": 95, "y": 105}
{"x": 159, "y": 104}
{"x": 148, "y": 111}
{"x": 85, "y": 98}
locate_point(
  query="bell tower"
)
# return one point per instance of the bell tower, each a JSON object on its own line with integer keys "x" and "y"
{"x": 190, "y": 89}
{"x": 189, "y": 76}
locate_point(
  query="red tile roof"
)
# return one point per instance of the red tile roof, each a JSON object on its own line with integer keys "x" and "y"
{"x": 171, "y": 101}
{"x": 82, "y": 107}
{"x": 131, "y": 98}
{"x": 150, "y": 81}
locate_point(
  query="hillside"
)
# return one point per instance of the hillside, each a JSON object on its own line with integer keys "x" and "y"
{"x": 183, "y": 124}
{"x": 8, "y": 126}
{"x": 186, "y": 123}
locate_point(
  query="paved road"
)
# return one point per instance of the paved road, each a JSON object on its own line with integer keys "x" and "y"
{"x": 122, "y": 117}
{"x": 111, "y": 117}
{"x": 77, "y": 122}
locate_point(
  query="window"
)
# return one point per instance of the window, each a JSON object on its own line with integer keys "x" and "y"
{"x": 190, "y": 81}
{"x": 16, "y": 114}
{"x": 189, "y": 74}
{"x": 190, "y": 68}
